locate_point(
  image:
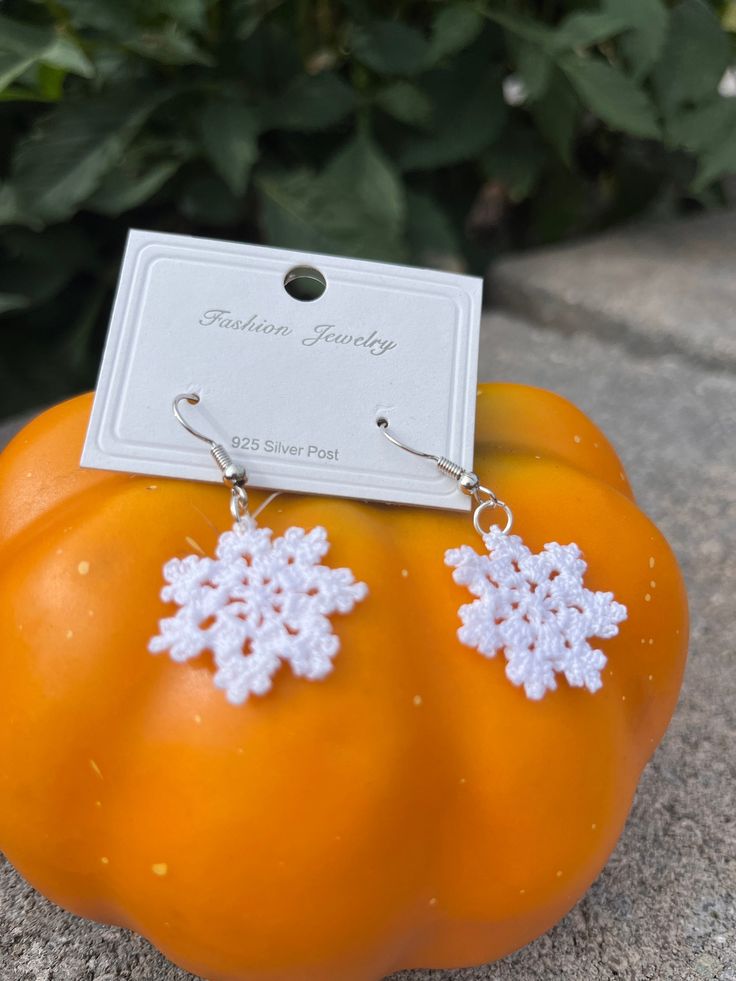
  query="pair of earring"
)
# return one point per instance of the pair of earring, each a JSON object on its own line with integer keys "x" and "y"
{"x": 259, "y": 602}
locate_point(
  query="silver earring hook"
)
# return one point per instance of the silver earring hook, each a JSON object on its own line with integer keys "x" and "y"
{"x": 233, "y": 475}
{"x": 192, "y": 399}
{"x": 382, "y": 423}
{"x": 468, "y": 481}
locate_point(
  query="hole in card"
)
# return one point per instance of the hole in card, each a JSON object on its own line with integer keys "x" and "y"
{"x": 305, "y": 283}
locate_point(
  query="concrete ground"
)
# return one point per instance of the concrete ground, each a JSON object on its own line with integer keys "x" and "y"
{"x": 659, "y": 375}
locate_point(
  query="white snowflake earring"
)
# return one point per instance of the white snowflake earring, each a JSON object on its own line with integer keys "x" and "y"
{"x": 533, "y": 607}
{"x": 258, "y": 602}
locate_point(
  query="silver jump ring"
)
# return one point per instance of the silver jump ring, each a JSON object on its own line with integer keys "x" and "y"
{"x": 483, "y": 495}
{"x": 490, "y": 505}
{"x": 238, "y": 502}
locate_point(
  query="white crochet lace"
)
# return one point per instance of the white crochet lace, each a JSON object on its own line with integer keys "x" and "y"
{"x": 258, "y": 603}
{"x": 535, "y": 608}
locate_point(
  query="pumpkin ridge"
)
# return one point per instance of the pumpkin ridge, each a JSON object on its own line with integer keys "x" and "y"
{"x": 525, "y": 417}
{"x": 72, "y": 506}
{"x": 511, "y": 450}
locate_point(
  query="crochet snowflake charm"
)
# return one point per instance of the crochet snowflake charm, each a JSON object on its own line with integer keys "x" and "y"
{"x": 536, "y": 609}
{"x": 257, "y": 603}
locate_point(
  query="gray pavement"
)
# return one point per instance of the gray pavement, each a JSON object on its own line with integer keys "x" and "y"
{"x": 657, "y": 288}
{"x": 664, "y": 909}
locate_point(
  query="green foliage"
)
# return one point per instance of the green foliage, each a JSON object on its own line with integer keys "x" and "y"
{"x": 430, "y": 131}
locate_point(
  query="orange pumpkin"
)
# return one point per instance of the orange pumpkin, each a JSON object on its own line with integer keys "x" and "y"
{"x": 414, "y": 809}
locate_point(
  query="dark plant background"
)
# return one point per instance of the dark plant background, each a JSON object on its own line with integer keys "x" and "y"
{"x": 439, "y": 133}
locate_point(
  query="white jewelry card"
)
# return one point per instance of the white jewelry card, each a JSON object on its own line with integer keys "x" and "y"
{"x": 291, "y": 387}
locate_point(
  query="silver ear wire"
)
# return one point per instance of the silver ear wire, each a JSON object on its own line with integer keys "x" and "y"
{"x": 233, "y": 475}
{"x": 469, "y": 482}
{"x": 192, "y": 399}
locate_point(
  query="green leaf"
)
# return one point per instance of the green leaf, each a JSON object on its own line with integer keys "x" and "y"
{"x": 271, "y": 57}
{"x": 585, "y": 28}
{"x": 169, "y": 47}
{"x": 611, "y": 95}
{"x": 191, "y": 14}
{"x": 206, "y": 200}
{"x": 122, "y": 21}
{"x": 390, "y": 47}
{"x": 66, "y": 246}
{"x": 246, "y": 16}
{"x": 455, "y": 27}
{"x": 640, "y": 26}
{"x": 66, "y": 54}
{"x": 110, "y": 17}
{"x": 432, "y": 237}
{"x": 463, "y": 129}
{"x": 20, "y": 47}
{"x": 72, "y": 149}
{"x": 76, "y": 348}
{"x": 525, "y": 28}
{"x": 355, "y": 207}
{"x": 36, "y": 267}
{"x": 13, "y": 301}
{"x": 24, "y": 45}
{"x": 17, "y": 94}
{"x": 556, "y": 115}
{"x": 12, "y": 66}
{"x": 643, "y": 44}
{"x": 729, "y": 17}
{"x": 292, "y": 210}
{"x": 710, "y": 132}
{"x": 362, "y": 170}
{"x": 147, "y": 167}
{"x": 24, "y": 39}
{"x": 50, "y": 82}
{"x": 703, "y": 127}
{"x": 10, "y": 207}
{"x": 535, "y": 68}
{"x": 697, "y": 51}
{"x": 405, "y": 102}
{"x": 119, "y": 192}
{"x": 229, "y": 131}
{"x": 720, "y": 160}
{"x": 310, "y": 103}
